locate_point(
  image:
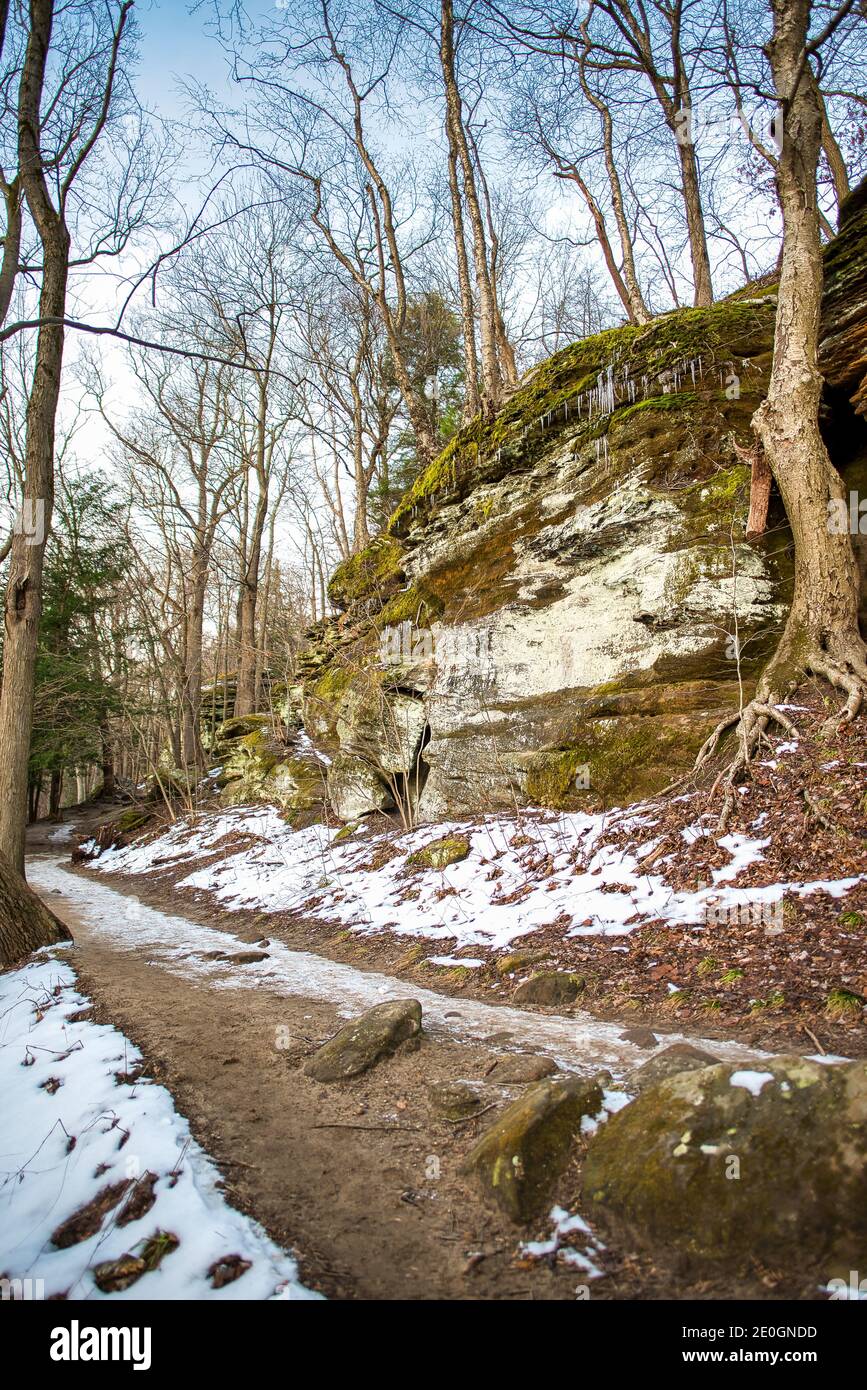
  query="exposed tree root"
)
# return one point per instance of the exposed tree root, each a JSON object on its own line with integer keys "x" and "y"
{"x": 847, "y": 673}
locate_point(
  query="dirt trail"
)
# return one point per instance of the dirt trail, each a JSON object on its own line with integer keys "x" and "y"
{"x": 361, "y": 1179}
{"x": 375, "y": 1209}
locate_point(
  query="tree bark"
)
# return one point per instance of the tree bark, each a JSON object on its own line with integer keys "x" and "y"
{"x": 23, "y": 603}
{"x": 25, "y": 921}
{"x": 55, "y": 793}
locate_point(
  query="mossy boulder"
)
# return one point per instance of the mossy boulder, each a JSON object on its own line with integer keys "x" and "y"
{"x": 519, "y": 1159}
{"x": 364, "y": 1042}
{"x": 440, "y": 853}
{"x": 519, "y": 960}
{"x": 730, "y": 1165}
{"x": 553, "y": 988}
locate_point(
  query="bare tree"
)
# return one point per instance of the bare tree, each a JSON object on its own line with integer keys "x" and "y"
{"x": 58, "y": 132}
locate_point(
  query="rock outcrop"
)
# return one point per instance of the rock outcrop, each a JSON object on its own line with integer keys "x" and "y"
{"x": 552, "y": 616}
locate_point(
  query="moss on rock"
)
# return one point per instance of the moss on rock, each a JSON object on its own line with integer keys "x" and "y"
{"x": 521, "y": 1156}
{"x": 729, "y": 1166}
{"x": 440, "y": 853}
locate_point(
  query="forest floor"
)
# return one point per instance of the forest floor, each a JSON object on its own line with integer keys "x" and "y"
{"x": 226, "y": 1001}
{"x": 361, "y": 1181}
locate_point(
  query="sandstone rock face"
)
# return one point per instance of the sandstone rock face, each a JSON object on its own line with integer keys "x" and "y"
{"x": 362, "y": 1043}
{"x": 520, "y": 1157}
{"x": 727, "y": 1164}
{"x": 354, "y": 789}
{"x": 552, "y": 613}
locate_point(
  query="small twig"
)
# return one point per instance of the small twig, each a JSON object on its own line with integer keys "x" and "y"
{"x": 466, "y": 1119}
{"x": 811, "y": 1034}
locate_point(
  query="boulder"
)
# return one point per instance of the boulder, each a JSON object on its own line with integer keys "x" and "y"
{"x": 670, "y": 1062}
{"x": 455, "y": 1100}
{"x": 362, "y": 1043}
{"x": 640, "y": 1037}
{"x": 355, "y": 789}
{"x": 519, "y": 960}
{"x": 551, "y": 987}
{"x": 730, "y": 1165}
{"x": 519, "y": 1159}
{"x": 440, "y": 853}
{"x": 519, "y": 1068}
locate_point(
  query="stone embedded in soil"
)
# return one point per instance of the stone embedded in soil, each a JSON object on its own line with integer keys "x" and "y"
{"x": 361, "y": 1044}
{"x": 440, "y": 853}
{"x": 519, "y": 1159}
{"x": 551, "y": 987}
{"x": 640, "y": 1037}
{"x": 519, "y": 960}
{"x": 730, "y": 1165}
{"x": 455, "y": 1100}
{"x": 518, "y": 1068}
{"x": 673, "y": 1060}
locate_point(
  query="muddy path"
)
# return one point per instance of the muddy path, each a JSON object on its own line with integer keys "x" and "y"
{"x": 361, "y": 1180}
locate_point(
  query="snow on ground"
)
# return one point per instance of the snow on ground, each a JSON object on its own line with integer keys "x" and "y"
{"x": 521, "y": 874}
{"x": 70, "y": 1129}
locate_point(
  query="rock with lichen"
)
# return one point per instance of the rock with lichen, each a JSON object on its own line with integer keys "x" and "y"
{"x": 731, "y": 1164}
{"x": 519, "y": 1159}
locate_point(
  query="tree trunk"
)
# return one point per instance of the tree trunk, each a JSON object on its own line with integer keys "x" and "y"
{"x": 472, "y": 399}
{"x": 25, "y": 922}
{"x": 822, "y": 631}
{"x": 109, "y": 783}
{"x": 701, "y": 276}
{"x": 491, "y": 377}
{"x": 23, "y": 605}
{"x": 191, "y": 694}
{"x": 55, "y": 793}
{"x": 248, "y": 598}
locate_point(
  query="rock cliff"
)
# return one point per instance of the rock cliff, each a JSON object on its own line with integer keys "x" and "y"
{"x": 565, "y": 601}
